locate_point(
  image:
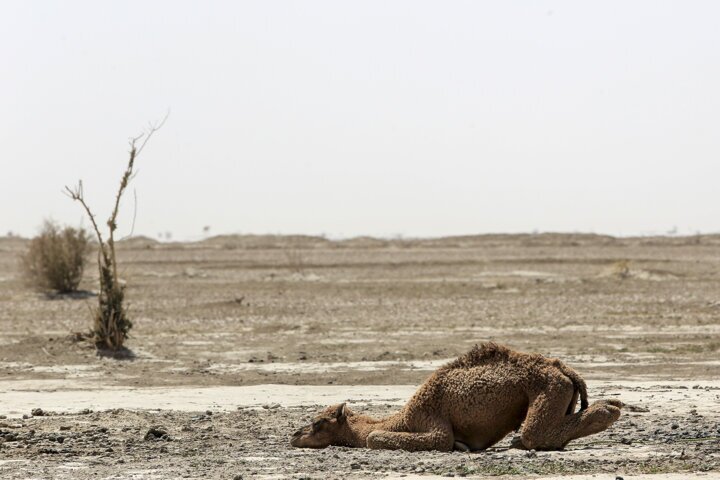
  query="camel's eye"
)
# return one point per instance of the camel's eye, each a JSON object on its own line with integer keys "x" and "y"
{"x": 317, "y": 424}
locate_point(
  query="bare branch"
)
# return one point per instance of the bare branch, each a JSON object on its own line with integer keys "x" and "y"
{"x": 152, "y": 129}
{"x": 129, "y": 173}
{"x": 132, "y": 228}
{"x": 123, "y": 184}
{"x": 78, "y": 195}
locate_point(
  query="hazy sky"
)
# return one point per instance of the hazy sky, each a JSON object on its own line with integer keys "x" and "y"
{"x": 366, "y": 117}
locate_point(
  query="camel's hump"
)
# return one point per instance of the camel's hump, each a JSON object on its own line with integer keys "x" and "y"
{"x": 480, "y": 354}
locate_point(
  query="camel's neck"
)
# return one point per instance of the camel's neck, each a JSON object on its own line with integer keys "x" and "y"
{"x": 360, "y": 426}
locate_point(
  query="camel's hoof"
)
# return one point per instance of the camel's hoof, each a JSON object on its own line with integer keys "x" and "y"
{"x": 461, "y": 447}
{"x": 614, "y": 403}
{"x": 516, "y": 442}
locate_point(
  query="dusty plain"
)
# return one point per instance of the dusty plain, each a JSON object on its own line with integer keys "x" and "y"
{"x": 220, "y": 323}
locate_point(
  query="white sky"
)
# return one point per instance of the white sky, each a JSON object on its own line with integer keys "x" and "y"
{"x": 366, "y": 117}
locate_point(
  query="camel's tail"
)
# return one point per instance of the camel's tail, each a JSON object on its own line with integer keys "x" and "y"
{"x": 579, "y": 385}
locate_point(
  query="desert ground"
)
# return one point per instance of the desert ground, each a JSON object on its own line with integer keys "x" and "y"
{"x": 238, "y": 340}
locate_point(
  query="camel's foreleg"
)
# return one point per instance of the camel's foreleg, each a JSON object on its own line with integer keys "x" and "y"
{"x": 438, "y": 439}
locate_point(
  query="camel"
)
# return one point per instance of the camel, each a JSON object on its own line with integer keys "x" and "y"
{"x": 472, "y": 403}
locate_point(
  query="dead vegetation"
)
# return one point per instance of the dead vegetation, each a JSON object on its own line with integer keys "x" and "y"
{"x": 55, "y": 259}
{"x": 111, "y": 323}
{"x": 620, "y": 269}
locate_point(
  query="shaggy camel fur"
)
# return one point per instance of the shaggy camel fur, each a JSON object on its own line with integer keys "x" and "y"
{"x": 472, "y": 403}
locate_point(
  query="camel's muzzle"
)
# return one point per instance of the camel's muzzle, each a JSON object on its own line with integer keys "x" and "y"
{"x": 295, "y": 439}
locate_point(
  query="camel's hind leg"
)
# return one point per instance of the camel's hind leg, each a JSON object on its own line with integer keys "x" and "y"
{"x": 549, "y": 427}
{"x": 440, "y": 439}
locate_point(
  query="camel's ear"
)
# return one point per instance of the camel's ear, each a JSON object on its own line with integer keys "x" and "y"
{"x": 341, "y": 413}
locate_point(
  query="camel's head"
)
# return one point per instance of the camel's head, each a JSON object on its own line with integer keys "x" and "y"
{"x": 326, "y": 429}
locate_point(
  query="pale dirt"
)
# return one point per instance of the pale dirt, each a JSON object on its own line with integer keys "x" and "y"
{"x": 261, "y": 338}
{"x": 17, "y": 397}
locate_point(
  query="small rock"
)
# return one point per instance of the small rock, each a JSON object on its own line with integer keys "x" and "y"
{"x": 625, "y": 441}
{"x": 355, "y": 466}
{"x": 674, "y": 426}
{"x": 155, "y": 432}
{"x": 37, "y": 412}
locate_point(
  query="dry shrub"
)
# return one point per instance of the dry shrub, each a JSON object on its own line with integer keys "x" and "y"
{"x": 111, "y": 323}
{"x": 621, "y": 269}
{"x": 55, "y": 259}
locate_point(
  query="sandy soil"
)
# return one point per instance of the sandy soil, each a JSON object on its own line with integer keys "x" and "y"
{"x": 260, "y": 331}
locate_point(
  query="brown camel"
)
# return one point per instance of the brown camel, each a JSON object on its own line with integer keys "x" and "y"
{"x": 472, "y": 403}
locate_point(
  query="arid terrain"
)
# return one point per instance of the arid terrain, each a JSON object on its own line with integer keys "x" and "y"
{"x": 237, "y": 340}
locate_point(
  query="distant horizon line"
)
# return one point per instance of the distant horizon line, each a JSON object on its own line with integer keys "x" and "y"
{"x": 396, "y": 237}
